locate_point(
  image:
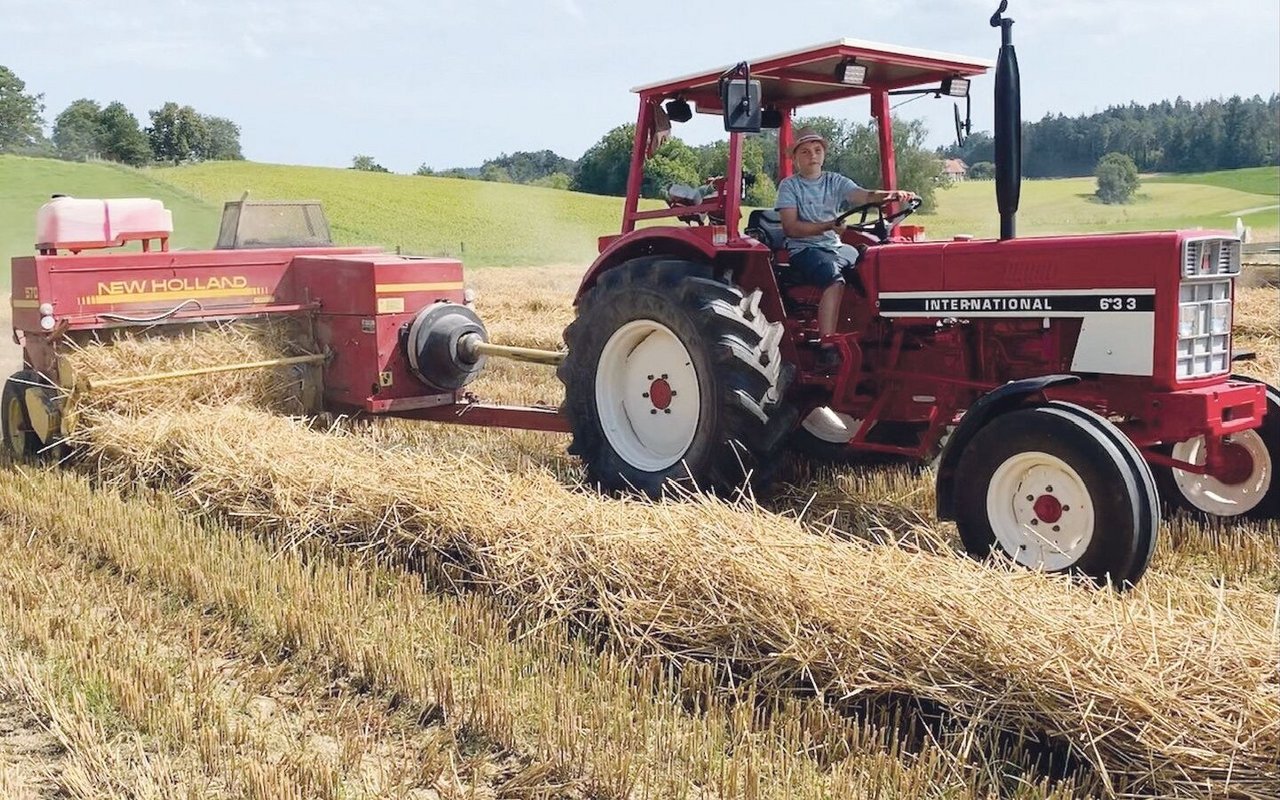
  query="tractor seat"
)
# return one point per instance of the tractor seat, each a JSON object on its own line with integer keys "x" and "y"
{"x": 765, "y": 226}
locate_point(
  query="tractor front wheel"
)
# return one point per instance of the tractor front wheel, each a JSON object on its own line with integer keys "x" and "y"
{"x": 672, "y": 376}
{"x": 1056, "y": 488}
{"x": 1250, "y": 488}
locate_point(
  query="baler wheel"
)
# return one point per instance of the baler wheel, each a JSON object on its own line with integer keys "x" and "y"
{"x": 1252, "y": 492}
{"x": 1058, "y": 488}
{"x": 673, "y": 376}
{"x": 20, "y": 439}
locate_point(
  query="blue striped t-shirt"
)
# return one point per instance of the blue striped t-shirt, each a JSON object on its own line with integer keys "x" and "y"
{"x": 817, "y": 200}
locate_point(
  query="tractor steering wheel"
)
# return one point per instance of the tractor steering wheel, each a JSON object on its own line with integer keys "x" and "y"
{"x": 882, "y": 225}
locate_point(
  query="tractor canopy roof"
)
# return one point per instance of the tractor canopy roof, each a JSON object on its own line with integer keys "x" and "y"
{"x": 809, "y": 75}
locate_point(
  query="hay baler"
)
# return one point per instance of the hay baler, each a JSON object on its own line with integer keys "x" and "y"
{"x": 386, "y": 334}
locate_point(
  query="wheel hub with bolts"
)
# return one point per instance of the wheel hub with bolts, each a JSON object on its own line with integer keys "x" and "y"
{"x": 1048, "y": 508}
{"x": 1239, "y": 487}
{"x": 1238, "y": 464}
{"x": 1040, "y": 511}
{"x": 660, "y": 394}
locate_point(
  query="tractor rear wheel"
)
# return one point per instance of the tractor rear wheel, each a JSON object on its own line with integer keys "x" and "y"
{"x": 1058, "y": 488}
{"x": 20, "y": 439}
{"x": 673, "y": 376}
{"x": 1251, "y": 490}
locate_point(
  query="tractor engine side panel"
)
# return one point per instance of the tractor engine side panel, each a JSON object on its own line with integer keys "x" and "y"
{"x": 365, "y": 304}
{"x": 1077, "y": 304}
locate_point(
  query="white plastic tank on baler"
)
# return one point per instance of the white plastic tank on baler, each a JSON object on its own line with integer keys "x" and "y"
{"x": 74, "y": 223}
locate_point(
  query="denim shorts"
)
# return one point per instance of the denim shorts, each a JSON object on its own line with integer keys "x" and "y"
{"x": 816, "y": 266}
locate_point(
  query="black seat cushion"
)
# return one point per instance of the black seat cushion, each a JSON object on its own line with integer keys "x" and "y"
{"x": 766, "y": 226}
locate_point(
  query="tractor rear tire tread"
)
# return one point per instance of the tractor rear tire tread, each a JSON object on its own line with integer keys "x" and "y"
{"x": 722, "y": 329}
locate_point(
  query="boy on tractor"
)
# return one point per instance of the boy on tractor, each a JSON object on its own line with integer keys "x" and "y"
{"x": 809, "y": 201}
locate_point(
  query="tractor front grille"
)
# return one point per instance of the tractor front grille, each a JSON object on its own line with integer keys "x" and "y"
{"x": 1204, "y": 328}
{"x": 1205, "y": 298}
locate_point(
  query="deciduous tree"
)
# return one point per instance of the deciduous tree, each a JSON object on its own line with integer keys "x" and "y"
{"x": 603, "y": 168}
{"x": 222, "y": 140}
{"x": 77, "y": 131}
{"x": 20, "y": 119}
{"x": 363, "y": 163}
{"x": 982, "y": 171}
{"x": 177, "y": 134}
{"x": 1117, "y": 178}
{"x": 121, "y": 138}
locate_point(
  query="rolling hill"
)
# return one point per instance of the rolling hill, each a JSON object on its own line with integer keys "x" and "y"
{"x": 493, "y": 224}
{"x": 26, "y": 183}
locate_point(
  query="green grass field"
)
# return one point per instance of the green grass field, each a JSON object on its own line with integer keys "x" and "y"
{"x": 1068, "y": 206}
{"x": 1256, "y": 180}
{"x": 26, "y": 183}
{"x": 490, "y": 224}
{"x": 486, "y": 224}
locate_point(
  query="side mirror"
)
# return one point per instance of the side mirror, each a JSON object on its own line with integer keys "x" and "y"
{"x": 740, "y": 98}
{"x": 964, "y": 128}
{"x": 771, "y": 118}
{"x": 741, "y": 106}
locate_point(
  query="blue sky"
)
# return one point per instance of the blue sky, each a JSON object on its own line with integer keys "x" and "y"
{"x": 451, "y": 83}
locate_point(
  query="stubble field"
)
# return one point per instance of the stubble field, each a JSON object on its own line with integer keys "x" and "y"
{"x": 217, "y": 600}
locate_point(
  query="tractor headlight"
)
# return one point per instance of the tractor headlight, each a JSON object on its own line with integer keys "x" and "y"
{"x": 1220, "y": 322}
{"x": 851, "y": 72}
{"x": 955, "y": 87}
{"x": 1188, "y": 320}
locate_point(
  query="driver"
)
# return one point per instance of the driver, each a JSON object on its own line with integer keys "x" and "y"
{"x": 808, "y": 202}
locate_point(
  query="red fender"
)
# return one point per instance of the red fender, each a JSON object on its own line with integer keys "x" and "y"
{"x": 680, "y": 242}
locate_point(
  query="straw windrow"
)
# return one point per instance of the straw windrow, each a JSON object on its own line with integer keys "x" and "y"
{"x": 1171, "y": 689}
{"x": 1155, "y": 698}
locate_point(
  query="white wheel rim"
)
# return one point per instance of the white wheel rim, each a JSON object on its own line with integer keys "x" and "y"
{"x": 647, "y": 394}
{"x": 1213, "y": 496}
{"x": 1040, "y": 511}
{"x": 831, "y": 426}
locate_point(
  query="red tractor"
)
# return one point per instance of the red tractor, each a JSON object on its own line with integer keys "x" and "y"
{"x": 1068, "y": 375}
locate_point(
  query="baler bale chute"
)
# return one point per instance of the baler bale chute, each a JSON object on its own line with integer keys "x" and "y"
{"x": 375, "y": 333}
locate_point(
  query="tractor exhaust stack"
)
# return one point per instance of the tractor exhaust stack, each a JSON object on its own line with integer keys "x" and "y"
{"x": 1008, "y": 126}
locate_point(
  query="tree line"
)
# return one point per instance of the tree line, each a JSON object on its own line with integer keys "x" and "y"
{"x": 87, "y": 130}
{"x": 1170, "y": 136}
{"x": 603, "y": 169}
